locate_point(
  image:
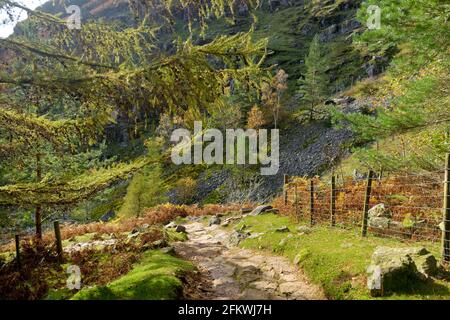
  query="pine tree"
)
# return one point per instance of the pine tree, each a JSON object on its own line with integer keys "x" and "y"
{"x": 314, "y": 85}
{"x": 409, "y": 117}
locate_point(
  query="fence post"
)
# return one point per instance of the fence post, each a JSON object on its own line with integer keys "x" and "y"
{"x": 59, "y": 249}
{"x": 296, "y": 203}
{"x": 311, "y": 201}
{"x": 367, "y": 203}
{"x": 19, "y": 264}
{"x": 446, "y": 217}
{"x": 285, "y": 191}
{"x": 333, "y": 201}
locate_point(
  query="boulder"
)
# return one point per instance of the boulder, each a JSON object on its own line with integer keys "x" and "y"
{"x": 260, "y": 209}
{"x": 108, "y": 216}
{"x": 394, "y": 269}
{"x": 379, "y": 211}
{"x": 214, "y": 220}
{"x": 379, "y": 222}
{"x": 304, "y": 229}
{"x": 181, "y": 229}
{"x": 237, "y": 236}
{"x": 230, "y": 220}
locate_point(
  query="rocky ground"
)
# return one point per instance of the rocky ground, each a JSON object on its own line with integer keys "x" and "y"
{"x": 229, "y": 272}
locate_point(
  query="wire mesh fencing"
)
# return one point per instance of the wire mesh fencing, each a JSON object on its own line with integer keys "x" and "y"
{"x": 411, "y": 207}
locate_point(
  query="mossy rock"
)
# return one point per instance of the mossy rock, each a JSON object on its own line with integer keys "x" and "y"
{"x": 397, "y": 269}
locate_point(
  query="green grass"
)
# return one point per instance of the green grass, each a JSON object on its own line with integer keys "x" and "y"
{"x": 334, "y": 258}
{"x": 153, "y": 278}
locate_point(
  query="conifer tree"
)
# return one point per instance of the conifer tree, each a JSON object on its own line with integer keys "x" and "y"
{"x": 101, "y": 70}
{"x": 314, "y": 85}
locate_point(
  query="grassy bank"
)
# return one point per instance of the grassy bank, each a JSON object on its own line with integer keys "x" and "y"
{"x": 334, "y": 258}
{"x": 153, "y": 278}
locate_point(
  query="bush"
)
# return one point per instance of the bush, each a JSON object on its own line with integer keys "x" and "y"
{"x": 186, "y": 190}
{"x": 145, "y": 190}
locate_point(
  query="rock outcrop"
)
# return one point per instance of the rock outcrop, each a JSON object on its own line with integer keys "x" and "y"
{"x": 394, "y": 269}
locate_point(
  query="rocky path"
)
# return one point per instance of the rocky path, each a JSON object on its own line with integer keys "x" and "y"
{"x": 229, "y": 272}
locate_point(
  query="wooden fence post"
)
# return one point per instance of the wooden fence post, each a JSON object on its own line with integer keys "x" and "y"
{"x": 367, "y": 203}
{"x": 59, "y": 249}
{"x": 19, "y": 264}
{"x": 311, "y": 201}
{"x": 285, "y": 191}
{"x": 446, "y": 217}
{"x": 333, "y": 201}
{"x": 296, "y": 203}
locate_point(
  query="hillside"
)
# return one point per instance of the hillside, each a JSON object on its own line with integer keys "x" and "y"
{"x": 290, "y": 28}
{"x": 226, "y": 150}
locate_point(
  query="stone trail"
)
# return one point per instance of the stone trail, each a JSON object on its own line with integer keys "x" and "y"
{"x": 229, "y": 272}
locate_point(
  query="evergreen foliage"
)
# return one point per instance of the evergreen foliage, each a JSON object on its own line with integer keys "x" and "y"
{"x": 314, "y": 85}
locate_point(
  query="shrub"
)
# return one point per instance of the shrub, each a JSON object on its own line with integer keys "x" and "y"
{"x": 186, "y": 190}
{"x": 145, "y": 190}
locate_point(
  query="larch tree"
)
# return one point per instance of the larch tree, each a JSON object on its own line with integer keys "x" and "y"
{"x": 272, "y": 91}
{"x": 100, "y": 71}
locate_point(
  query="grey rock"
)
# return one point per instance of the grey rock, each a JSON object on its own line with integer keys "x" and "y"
{"x": 393, "y": 269}
{"x": 214, "y": 220}
{"x": 108, "y": 216}
{"x": 229, "y": 220}
{"x": 379, "y": 222}
{"x": 304, "y": 229}
{"x": 260, "y": 209}
{"x": 237, "y": 236}
{"x": 181, "y": 229}
{"x": 380, "y": 211}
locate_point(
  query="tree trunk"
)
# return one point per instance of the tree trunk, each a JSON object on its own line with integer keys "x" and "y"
{"x": 38, "y": 212}
{"x": 38, "y": 218}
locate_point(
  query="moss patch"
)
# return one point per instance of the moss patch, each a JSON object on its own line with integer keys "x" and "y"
{"x": 334, "y": 258}
{"x": 153, "y": 278}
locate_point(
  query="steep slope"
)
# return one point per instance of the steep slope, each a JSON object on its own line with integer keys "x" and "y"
{"x": 289, "y": 26}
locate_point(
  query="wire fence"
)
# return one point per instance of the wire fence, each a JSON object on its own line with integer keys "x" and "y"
{"x": 411, "y": 207}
